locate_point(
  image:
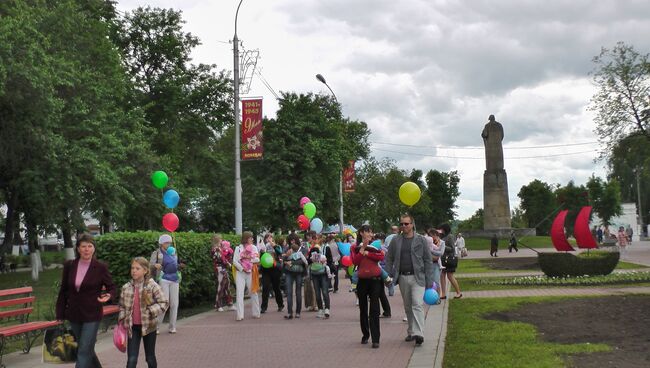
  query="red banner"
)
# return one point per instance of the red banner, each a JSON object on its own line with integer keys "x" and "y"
{"x": 252, "y": 139}
{"x": 348, "y": 178}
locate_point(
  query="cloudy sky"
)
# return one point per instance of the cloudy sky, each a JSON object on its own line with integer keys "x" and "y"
{"x": 426, "y": 74}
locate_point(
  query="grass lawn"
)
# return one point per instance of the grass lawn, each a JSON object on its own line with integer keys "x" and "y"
{"x": 479, "y": 266}
{"x": 472, "y": 284}
{"x": 475, "y": 342}
{"x": 531, "y": 241}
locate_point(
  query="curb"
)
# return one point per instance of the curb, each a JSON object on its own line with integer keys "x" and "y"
{"x": 431, "y": 353}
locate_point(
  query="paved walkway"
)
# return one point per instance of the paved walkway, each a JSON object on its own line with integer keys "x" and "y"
{"x": 214, "y": 339}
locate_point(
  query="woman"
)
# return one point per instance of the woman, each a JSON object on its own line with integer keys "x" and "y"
{"x": 166, "y": 266}
{"x": 221, "y": 254}
{"x": 271, "y": 276}
{"x": 437, "y": 247}
{"x": 367, "y": 259}
{"x": 449, "y": 263}
{"x": 85, "y": 285}
{"x": 246, "y": 259}
{"x": 295, "y": 265}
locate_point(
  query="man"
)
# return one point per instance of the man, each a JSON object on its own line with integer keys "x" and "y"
{"x": 513, "y": 243}
{"x": 494, "y": 245}
{"x": 629, "y": 233}
{"x": 410, "y": 263}
{"x": 394, "y": 231}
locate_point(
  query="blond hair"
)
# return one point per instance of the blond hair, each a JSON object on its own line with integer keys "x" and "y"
{"x": 144, "y": 263}
{"x": 216, "y": 239}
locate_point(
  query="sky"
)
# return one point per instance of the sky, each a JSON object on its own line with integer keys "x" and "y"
{"x": 425, "y": 75}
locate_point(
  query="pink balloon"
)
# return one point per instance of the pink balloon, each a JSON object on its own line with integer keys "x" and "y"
{"x": 304, "y": 201}
{"x": 346, "y": 261}
{"x": 170, "y": 222}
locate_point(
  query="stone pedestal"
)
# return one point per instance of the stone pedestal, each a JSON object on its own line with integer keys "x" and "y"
{"x": 496, "y": 205}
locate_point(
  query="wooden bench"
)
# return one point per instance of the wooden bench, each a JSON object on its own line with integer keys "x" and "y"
{"x": 110, "y": 311}
{"x": 16, "y": 305}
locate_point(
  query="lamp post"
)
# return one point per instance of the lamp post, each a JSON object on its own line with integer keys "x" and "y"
{"x": 238, "y": 203}
{"x": 322, "y": 80}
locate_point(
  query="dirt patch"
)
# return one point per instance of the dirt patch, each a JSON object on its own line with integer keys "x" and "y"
{"x": 512, "y": 264}
{"x": 621, "y": 322}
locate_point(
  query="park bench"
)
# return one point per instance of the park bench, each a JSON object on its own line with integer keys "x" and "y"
{"x": 15, "y": 308}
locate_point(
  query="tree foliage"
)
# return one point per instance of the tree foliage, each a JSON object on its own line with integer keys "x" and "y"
{"x": 538, "y": 205}
{"x": 605, "y": 198}
{"x": 572, "y": 198}
{"x": 622, "y": 102}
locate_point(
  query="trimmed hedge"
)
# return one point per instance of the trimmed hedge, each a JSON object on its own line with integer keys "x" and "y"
{"x": 118, "y": 249}
{"x": 594, "y": 262}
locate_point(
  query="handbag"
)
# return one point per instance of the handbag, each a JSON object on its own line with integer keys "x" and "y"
{"x": 120, "y": 337}
{"x": 59, "y": 346}
{"x": 463, "y": 252}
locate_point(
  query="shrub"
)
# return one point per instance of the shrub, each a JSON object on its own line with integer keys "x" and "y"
{"x": 587, "y": 263}
{"x": 117, "y": 250}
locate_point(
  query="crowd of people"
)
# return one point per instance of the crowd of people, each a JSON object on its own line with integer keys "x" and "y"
{"x": 303, "y": 271}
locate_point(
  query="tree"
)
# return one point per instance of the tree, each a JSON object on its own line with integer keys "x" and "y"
{"x": 572, "y": 198}
{"x": 538, "y": 205}
{"x": 605, "y": 198}
{"x": 475, "y": 222}
{"x": 442, "y": 190}
{"x": 622, "y": 102}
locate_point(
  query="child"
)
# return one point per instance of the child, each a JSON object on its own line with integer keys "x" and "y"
{"x": 323, "y": 261}
{"x": 318, "y": 275}
{"x": 246, "y": 257}
{"x": 374, "y": 248}
{"x": 141, "y": 302}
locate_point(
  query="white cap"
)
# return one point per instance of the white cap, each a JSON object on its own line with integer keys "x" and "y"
{"x": 164, "y": 238}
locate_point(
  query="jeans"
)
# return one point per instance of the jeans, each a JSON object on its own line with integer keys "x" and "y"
{"x": 320, "y": 287}
{"x": 86, "y": 335}
{"x": 293, "y": 280}
{"x": 369, "y": 289}
{"x": 271, "y": 281}
{"x": 133, "y": 348}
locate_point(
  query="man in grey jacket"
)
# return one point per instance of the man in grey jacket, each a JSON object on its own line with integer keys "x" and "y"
{"x": 410, "y": 263}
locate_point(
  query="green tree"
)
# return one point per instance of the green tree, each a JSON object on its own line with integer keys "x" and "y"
{"x": 442, "y": 190}
{"x": 538, "y": 205}
{"x": 605, "y": 198}
{"x": 474, "y": 222}
{"x": 621, "y": 103}
{"x": 572, "y": 198}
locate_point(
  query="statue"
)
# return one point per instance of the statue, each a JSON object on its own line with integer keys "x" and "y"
{"x": 496, "y": 204}
{"x": 492, "y": 137}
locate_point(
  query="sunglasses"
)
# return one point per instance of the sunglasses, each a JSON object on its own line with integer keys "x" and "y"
{"x": 405, "y": 223}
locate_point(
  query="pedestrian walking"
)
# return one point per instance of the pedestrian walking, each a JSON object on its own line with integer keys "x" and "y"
{"x": 494, "y": 245}
{"x": 295, "y": 266}
{"x": 165, "y": 269}
{"x": 246, "y": 259}
{"x": 409, "y": 261}
{"x": 221, "y": 254}
{"x": 141, "y": 301}
{"x": 272, "y": 276}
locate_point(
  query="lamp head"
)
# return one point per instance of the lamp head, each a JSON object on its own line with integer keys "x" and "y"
{"x": 321, "y": 78}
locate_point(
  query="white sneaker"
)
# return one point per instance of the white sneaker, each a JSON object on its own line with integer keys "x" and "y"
{"x": 327, "y": 313}
{"x": 157, "y": 331}
{"x": 357, "y": 302}
{"x": 232, "y": 308}
{"x": 320, "y": 314}
{"x": 172, "y": 331}
{"x": 220, "y": 309}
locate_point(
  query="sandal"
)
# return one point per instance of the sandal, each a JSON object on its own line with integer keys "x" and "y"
{"x": 458, "y": 296}
{"x": 443, "y": 297}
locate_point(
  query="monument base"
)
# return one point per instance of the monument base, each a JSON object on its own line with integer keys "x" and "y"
{"x": 503, "y": 233}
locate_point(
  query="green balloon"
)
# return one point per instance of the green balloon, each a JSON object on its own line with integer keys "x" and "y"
{"x": 266, "y": 260}
{"x": 350, "y": 270}
{"x": 309, "y": 210}
{"x": 159, "y": 179}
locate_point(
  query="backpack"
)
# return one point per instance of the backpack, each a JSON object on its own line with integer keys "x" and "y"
{"x": 316, "y": 268}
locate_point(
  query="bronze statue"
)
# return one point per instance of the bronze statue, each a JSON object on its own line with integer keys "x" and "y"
{"x": 492, "y": 137}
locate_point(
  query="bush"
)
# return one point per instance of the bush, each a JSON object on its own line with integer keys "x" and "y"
{"x": 587, "y": 263}
{"x": 117, "y": 250}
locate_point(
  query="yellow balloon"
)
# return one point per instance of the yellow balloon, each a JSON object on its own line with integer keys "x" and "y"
{"x": 409, "y": 193}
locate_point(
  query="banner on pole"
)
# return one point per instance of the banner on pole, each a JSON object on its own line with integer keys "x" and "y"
{"x": 252, "y": 138}
{"x": 348, "y": 178}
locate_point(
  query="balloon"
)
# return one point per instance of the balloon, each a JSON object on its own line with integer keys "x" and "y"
{"x": 171, "y": 198}
{"x": 170, "y": 222}
{"x": 344, "y": 248}
{"x": 309, "y": 210}
{"x": 376, "y": 244}
{"x": 431, "y": 296}
{"x": 346, "y": 261}
{"x": 347, "y": 232}
{"x": 266, "y": 260}
{"x": 316, "y": 225}
{"x": 171, "y": 250}
{"x": 409, "y": 193}
{"x": 159, "y": 179}
{"x": 303, "y": 222}
{"x": 304, "y": 201}
{"x": 351, "y": 270}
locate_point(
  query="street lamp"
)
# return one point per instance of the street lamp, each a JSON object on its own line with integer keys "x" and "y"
{"x": 322, "y": 80}
{"x": 238, "y": 204}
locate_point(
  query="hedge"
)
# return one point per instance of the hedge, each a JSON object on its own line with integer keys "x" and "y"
{"x": 118, "y": 249}
{"x": 586, "y": 263}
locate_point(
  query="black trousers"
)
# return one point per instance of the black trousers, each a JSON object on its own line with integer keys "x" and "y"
{"x": 335, "y": 270}
{"x": 133, "y": 348}
{"x": 271, "y": 281}
{"x": 369, "y": 290}
{"x": 383, "y": 299}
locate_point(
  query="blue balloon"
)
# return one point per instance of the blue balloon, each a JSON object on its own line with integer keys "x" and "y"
{"x": 171, "y": 250}
{"x": 316, "y": 225}
{"x": 376, "y": 244}
{"x": 171, "y": 198}
{"x": 431, "y": 296}
{"x": 344, "y": 248}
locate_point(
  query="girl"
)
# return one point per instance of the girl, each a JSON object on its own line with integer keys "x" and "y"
{"x": 141, "y": 302}
{"x": 295, "y": 265}
{"x": 449, "y": 262}
{"x": 245, "y": 259}
{"x": 222, "y": 262}
{"x": 369, "y": 286}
